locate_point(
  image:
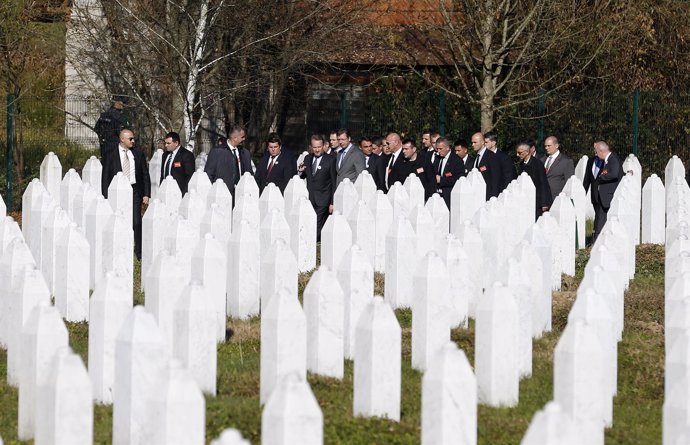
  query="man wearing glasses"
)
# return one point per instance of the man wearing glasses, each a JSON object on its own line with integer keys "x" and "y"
{"x": 131, "y": 162}
{"x": 535, "y": 169}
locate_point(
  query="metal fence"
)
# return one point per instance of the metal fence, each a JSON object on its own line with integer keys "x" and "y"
{"x": 652, "y": 125}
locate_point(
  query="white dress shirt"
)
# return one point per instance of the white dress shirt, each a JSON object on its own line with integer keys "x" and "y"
{"x": 132, "y": 172}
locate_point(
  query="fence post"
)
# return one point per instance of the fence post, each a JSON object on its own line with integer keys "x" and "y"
{"x": 442, "y": 113}
{"x": 343, "y": 110}
{"x": 540, "y": 126}
{"x": 9, "y": 156}
{"x": 636, "y": 121}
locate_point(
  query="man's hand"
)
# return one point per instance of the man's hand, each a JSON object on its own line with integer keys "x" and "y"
{"x": 330, "y": 208}
{"x": 300, "y": 168}
{"x": 145, "y": 200}
{"x": 438, "y": 179}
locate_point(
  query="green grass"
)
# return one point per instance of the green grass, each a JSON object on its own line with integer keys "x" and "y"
{"x": 637, "y": 408}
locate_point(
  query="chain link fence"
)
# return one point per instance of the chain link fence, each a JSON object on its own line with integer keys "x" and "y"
{"x": 652, "y": 125}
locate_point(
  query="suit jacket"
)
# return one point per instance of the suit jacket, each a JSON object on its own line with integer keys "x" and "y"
{"x": 245, "y": 162}
{"x": 220, "y": 165}
{"x": 453, "y": 170}
{"x": 424, "y": 170}
{"x": 351, "y": 165}
{"x": 398, "y": 171}
{"x": 284, "y": 168}
{"x": 181, "y": 168}
{"x": 605, "y": 183}
{"x": 370, "y": 164}
{"x": 535, "y": 169}
{"x": 559, "y": 172}
{"x": 469, "y": 164}
{"x": 321, "y": 184}
{"x": 490, "y": 169}
{"x": 112, "y": 165}
{"x": 507, "y": 169}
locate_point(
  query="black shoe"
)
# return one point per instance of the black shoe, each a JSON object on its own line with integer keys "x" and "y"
{"x": 228, "y": 334}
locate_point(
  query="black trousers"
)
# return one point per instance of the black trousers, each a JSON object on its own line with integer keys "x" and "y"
{"x": 600, "y": 214}
{"x": 321, "y": 217}
{"x": 136, "y": 220}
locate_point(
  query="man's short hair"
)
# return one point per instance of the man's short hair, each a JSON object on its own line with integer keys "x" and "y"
{"x": 409, "y": 141}
{"x": 377, "y": 140}
{"x": 343, "y": 131}
{"x": 317, "y": 137}
{"x": 428, "y": 131}
{"x": 462, "y": 143}
{"x": 365, "y": 139}
{"x": 234, "y": 128}
{"x": 435, "y": 134}
{"x": 273, "y": 138}
{"x": 530, "y": 143}
{"x": 174, "y": 136}
{"x": 442, "y": 140}
{"x": 491, "y": 136}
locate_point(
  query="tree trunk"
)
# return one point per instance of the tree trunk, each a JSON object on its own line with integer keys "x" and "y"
{"x": 487, "y": 94}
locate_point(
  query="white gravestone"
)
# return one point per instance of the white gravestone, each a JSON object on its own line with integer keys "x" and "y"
{"x": 29, "y": 291}
{"x": 109, "y": 307}
{"x": 169, "y": 193}
{"x": 336, "y": 239}
{"x": 210, "y": 268}
{"x": 296, "y": 189}
{"x": 564, "y": 213}
{"x": 140, "y": 360}
{"x": 164, "y": 286}
{"x": 469, "y": 236}
{"x": 201, "y": 183}
{"x": 271, "y": 198}
{"x": 30, "y": 201}
{"x": 463, "y": 204}
{"x": 180, "y": 409}
{"x": 441, "y": 217}
{"x": 292, "y": 415}
{"x": 52, "y": 230}
{"x": 153, "y": 226}
{"x": 323, "y": 308}
{"x": 400, "y": 262}
{"x": 579, "y": 380}
{"x": 194, "y": 335}
{"x": 120, "y": 195}
{"x": 415, "y": 190}
{"x": 598, "y": 279}
{"x": 383, "y": 215}
{"x": 274, "y": 226}
{"x": 653, "y": 211}
{"x": 463, "y": 287}
{"x": 220, "y": 195}
{"x": 356, "y": 277}
{"x": 431, "y": 309}
{"x": 550, "y": 229}
{"x": 345, "y": 197}
{"x": 365, "y": 186}
{"x": 65, "y": 403}
{"x": 69, "y": 188}
{"x": 118, "y": 246}
{"x": 228, "y": 437}
{"x": 85, "y": 197}
{"x": 591, "y": 308}
{"x": 496, "y": 344}
{"x": 246, "y": 208}
{"x": 573, "y": 189}
{"x": 399, "y": 199}
{"x": 247, "y": 185}
{"x": 424, "y": 228}
{"x": 539, "y": 283}
{"x": 71, "y": 281}
{"x": 283, "y": 341}
{"x": 51, "y": 175}
{"x": 244, "y": 266}
{"x": 676, "y": 414}
{"x": 16, "y": 259}
{"x": 674, "y": 169}
{"x": 377, "y": 365}
{"x": 449, "y": 399}
{"x": 180, "y": 240}
{"x": 44, "y": 206}
{"x": 97, "y": 216}
{"x": 41, "y": 337}
{"x": 518, "y": 283}
{"x": 303, "y": 234}
{"x": 580, "y": 172}
{"x": 278, "y": 270}
{"x": 92, "y": 172}
{"x": 154, "y": 172}
{"x": 551, "y": 426}
{"x": 217, "y": 222}
{"x": 363, "y": 227}
{"x": 192, "y": 208}
{"x": 677, "y": 362}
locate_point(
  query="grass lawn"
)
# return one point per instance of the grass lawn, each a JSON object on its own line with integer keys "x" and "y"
{"x": 637, "y": 408}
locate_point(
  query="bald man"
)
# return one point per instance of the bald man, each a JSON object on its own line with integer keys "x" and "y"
{"x": 389, "y": 168}
{"x": 559, "y": 168}
{"x": 485, "y": 161}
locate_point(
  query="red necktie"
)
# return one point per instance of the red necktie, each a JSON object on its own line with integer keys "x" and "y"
{"x": 270, "y": 167}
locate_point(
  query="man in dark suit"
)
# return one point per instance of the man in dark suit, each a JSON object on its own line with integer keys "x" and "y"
{"x": 559, "y": 167}
{"x": 319, "y": 170}
{"x": 178, "y": 162}
{"x": 132, "y": 163}
{"x": 349, "y": 162}
{"x": 485, "y": 161}
{"x": 418, "y": 164}
{"x": 277, "y": 168}
{"x": 604, "y": 172}
{"x": 390, "y": 168}
{"x": 448, "y": 167}
{"x": 507, "y": 168}
{"x": 461, "y": 147}
{"x": 370, "y": 159}
{"x": 535, "y": 169}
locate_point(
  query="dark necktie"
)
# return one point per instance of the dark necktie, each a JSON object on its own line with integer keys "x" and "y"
{"x": 439, "y": 168}
{"x": 238, "y": 173}
{"x": 314, "y": 165}
{"x": 167, "y": 166}
{"x": 270, "y": 167}
{"x": 476, "y": 162}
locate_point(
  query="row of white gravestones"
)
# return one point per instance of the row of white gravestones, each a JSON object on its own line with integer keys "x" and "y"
{"x": 580, "y": 172}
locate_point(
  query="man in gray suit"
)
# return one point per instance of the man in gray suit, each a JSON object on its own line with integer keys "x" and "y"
{"x": 350, "y": 160}
{"x": 559, "y": 167}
